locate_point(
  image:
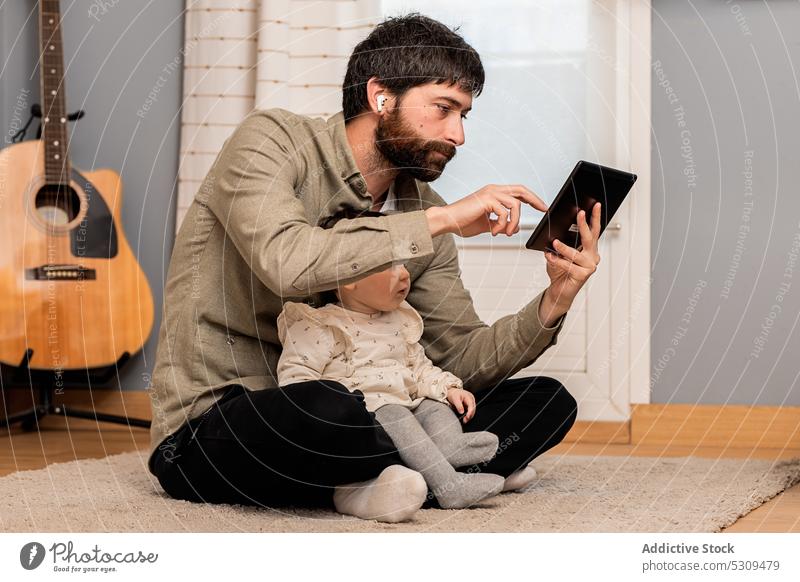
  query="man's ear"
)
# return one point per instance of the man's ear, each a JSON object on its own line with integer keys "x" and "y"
{"x": 349, "y": 286}
{"x": 375, "y": 88}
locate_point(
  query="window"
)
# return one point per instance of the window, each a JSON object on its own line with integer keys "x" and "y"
{"x": 549, "y": 100}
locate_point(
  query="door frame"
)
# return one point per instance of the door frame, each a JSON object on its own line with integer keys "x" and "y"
{"x": 639, "y": 45}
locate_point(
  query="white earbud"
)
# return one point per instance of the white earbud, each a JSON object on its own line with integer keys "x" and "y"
{"x": 381, "y": 100}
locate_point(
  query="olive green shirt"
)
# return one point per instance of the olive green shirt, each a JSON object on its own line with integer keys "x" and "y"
{"x": 250, "y": 241}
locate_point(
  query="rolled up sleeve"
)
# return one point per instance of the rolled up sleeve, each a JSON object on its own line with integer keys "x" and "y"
{"x": 251, "y": 189}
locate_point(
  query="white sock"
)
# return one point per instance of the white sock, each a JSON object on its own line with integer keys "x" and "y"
{"x": 394, "y": 495}
{"x": 520, "y": 479}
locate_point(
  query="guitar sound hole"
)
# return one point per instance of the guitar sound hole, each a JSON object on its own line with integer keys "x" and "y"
{"x": 58, "y": 204}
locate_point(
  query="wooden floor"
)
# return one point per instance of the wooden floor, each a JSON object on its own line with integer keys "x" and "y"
{"x": 59, "y": 442}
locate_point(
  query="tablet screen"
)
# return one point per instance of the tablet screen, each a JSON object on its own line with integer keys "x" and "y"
{"x": 587, "y": 184}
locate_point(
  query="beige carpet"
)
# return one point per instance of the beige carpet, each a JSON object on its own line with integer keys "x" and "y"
{"x": 573, "y": 494}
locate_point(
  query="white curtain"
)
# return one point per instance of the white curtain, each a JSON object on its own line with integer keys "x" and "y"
{"x": 244, "y": 54}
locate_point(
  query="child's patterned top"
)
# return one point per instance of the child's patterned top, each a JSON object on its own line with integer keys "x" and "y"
{"x": 378, "y": 354}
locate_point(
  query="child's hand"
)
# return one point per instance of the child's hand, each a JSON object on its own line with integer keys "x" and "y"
{"x": 462, "y": 399}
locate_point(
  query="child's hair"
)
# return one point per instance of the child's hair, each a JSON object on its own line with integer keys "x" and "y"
{"x": 330, "y": 296}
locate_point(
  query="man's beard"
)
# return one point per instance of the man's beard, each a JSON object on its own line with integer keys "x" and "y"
{"x": 400, "y": 145}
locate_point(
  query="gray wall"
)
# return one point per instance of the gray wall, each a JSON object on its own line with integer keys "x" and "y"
{"x": 725, "y": 207}
{"x": 114, "y": 55}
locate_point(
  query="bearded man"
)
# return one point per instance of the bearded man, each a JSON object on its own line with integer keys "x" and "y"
{"x": 223, "y": 430}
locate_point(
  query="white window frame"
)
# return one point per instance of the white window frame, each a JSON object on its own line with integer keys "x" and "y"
{"x": 634, "y": 115}
{"x": 633, "y": 112}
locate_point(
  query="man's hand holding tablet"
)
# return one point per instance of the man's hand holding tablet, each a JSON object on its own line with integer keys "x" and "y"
{"x": 571, "y": 265}
{"x": 568, "y": 240}
{"x": 568, "y": 275}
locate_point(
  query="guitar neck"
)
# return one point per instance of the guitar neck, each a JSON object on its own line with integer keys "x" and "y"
{"x": 51, "y": 74}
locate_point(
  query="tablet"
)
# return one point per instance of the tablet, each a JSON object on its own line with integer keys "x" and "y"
{"x": 587, "y": 184}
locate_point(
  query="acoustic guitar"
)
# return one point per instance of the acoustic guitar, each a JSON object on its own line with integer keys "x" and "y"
{"x": 72, "y": 294}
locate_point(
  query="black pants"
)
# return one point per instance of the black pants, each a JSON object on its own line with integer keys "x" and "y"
{"x": 292, "y": 445}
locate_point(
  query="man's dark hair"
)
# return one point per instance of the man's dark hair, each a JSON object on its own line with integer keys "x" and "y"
{"x": 329, "y": 296}
{"x": 405, "y": 52}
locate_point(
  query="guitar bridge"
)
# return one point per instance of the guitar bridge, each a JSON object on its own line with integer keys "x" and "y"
{"x": 60, "y": 273}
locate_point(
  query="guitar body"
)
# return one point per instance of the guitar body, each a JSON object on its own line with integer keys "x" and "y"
{"x": 71, "y": 289}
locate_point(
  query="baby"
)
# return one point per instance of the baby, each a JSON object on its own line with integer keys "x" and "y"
{"x": 367, "y": 338}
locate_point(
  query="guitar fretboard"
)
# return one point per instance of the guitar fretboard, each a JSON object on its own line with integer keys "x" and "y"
{"x": 51, "y": 73}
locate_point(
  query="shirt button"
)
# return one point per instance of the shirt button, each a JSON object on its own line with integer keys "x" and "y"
{"x": 414, "y": 248}
{"x": 230, "y": 340}
{"x": 354, "y": 266}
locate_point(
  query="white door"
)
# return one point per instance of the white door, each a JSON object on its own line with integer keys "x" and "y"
{"x": 602, "y": 355}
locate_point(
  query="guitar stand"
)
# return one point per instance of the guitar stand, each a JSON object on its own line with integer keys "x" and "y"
{"x": 36, "y": 112}
{"x": 46, "y": 381}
